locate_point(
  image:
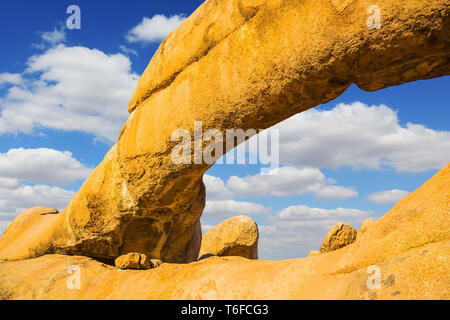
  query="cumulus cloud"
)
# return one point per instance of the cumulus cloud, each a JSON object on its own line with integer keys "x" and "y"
{"x": 71, "y": 89}
{"x": 361, "y": 136}
{"x": 289, "y": 181}
{"x": 54, "y": 37}
{"x": 154, "y": 29}
{"x": 216, "y": 189}
{"x": 336, "y": 193}
{"x": 41, "y": 166}
{"x": 387, "y": 197}
{"x": 294, "y": 231}
{"x": 37, "y": 166}
{"x": 10, "y": 78}
{"x": 17, "y": 197}
{"x": 224, "y": 209}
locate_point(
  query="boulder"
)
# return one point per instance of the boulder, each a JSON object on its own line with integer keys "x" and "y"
{"x": 237, "y": 236}
{"x": 133, "y": 260}
{"x": 137, "y": 261}
{"x": 231, "y": 64}
{"x": 339, "y": 236}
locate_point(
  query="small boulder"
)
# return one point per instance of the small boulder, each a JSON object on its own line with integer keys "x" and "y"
{"x": 339, "y": 236}
{"x": 155, "y": 263}
{"x": 237, "y": 236}
{"x": 136, "y": 261}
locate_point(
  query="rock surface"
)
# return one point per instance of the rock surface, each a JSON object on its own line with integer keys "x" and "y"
{"x": 313, "y": 253}
{"x": 133, "y": 260}
{"x": 368, "y": 223}
{"x": 237, "y": 236}
{"x": 416, "y": 267}
{"x": 339, "y": 236}
{"x": 231, "y": 64}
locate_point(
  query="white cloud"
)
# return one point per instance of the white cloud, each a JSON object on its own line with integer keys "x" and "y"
{"x": 54, "y": 37}
{"x": 387, "y": 197}
{"x": 76, "y": 89}
{"x": 224, "y": 209}
{"x": 289, "y": 181}
{"x": 294, "y": 231}
{"x": 154, "y": 29}
{"x": 17, "y": 199}
{"x": 360, "y": 136}
{"x": 128, "y": 51}
{"x": 336, "y": 193}
{"x": 10, "y": 78}
{"x": 36, "y": 166}
{"x": 41, "y": 166}
{"x": 216, "y": 189}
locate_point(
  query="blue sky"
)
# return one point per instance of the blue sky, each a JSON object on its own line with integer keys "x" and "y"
{"x": 64, "y": 95}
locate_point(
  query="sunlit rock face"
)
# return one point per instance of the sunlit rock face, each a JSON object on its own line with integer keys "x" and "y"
{"x": 339, "y": 236}
{"x": 231, "y": 64}
{"x": 237, "y": 236}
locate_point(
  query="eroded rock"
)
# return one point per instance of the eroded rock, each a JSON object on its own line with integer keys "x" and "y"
{"x": 237, "y": 236}
{"x": 137, "y": 261}
{"x": 339, "y": 236}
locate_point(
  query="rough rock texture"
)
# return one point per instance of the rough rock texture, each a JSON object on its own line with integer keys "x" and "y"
{"x": 339, "y": 236}
{"x": 133, "y": 260}
{"x": 231, "y": 64}
{"x": 416, "y": 267}
{"x": 237, "y": 236}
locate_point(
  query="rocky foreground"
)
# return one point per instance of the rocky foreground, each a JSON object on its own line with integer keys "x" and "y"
{"x": 409, "y": 248}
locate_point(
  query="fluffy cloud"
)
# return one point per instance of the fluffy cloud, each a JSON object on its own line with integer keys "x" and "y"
{"x": 387, "y": 197}
{"x": 10, "y": 78}
{"x": 21, "y": 166}
{"x": 336, "y": 193}
{"x": 54, "y": 37}
{"x": 216, "y": 189}
{"x": 361, "y": 136}
{"x": 289, "y": 181}
{"x": 71, "y": 89}
{"x": 17, "y": 197}
{"x": 154, "y": 29}
{"x": 224, "y": 209}
{"x": 41, "y": 166}
{"x": 294, "y": 231}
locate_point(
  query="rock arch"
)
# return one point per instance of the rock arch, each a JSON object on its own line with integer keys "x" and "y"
{"x": 231, "y": 64}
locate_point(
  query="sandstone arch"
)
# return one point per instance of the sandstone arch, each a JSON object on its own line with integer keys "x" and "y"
{"x": 231, "y": 64}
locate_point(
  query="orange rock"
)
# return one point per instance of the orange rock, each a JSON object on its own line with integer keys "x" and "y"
{"x": 368, "y": 223}
{"x": 338, "y": 237}
{"x": 237, "y": 236}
